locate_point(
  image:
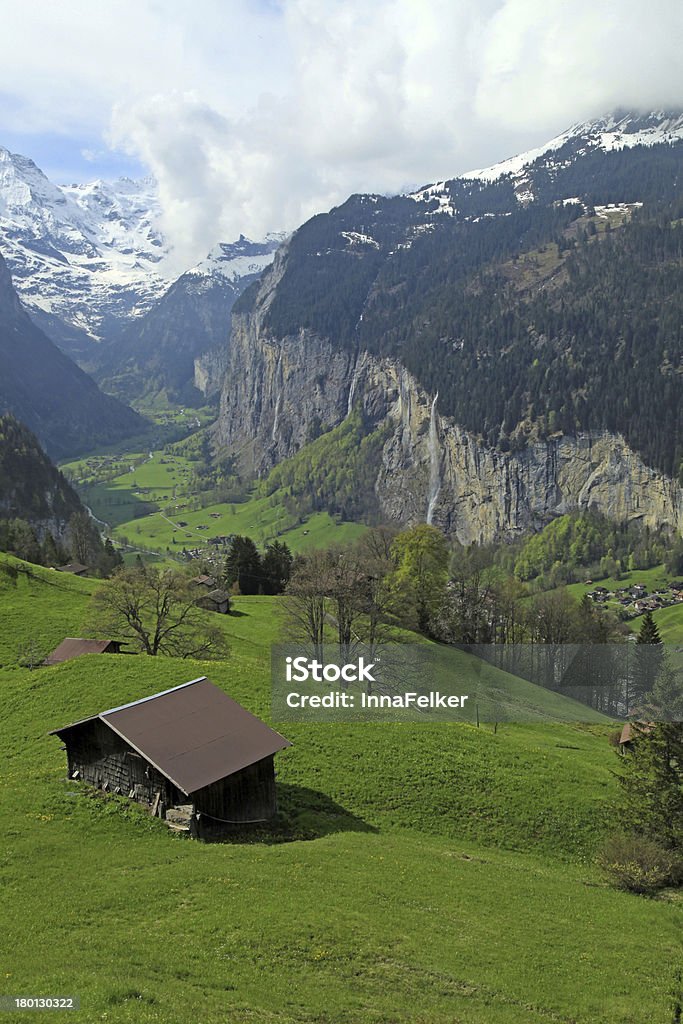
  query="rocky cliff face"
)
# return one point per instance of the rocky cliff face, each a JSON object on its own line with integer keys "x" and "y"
{"x": 277, "y": 393}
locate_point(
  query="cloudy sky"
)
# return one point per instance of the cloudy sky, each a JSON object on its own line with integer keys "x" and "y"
{"x": 255, "y": 114}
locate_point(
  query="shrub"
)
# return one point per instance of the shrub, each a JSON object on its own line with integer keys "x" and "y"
{"x": 639, "y": 865}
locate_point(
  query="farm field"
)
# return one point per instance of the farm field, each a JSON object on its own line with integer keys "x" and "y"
{"x": 438, "y": 870}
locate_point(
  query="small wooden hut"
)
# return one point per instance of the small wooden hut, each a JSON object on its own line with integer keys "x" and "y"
{"x": 191, "y": 747}
{"x": 216, "y": 601}
{"x": 75, "y": 568}
{"x": 73, "y": 647}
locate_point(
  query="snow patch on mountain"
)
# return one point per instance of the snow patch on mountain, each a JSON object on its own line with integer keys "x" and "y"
{"x": 616, "y": 131}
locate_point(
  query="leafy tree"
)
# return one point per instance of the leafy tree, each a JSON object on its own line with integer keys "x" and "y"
{"x": 23, "y": 541}
{"x": 418, "y": 582}
{"x": 373, "y": 552}
{"x": 83, "y": 538}
{"x": 155, "y": 610}
{"x": 306, "y": 592}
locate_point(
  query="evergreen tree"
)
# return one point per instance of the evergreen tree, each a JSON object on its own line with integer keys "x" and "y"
{"x": 276, "y": 567}
{"x": 243, "y": 565}
{"x": 652, "y": 783}
{"x": 649, "y": 657}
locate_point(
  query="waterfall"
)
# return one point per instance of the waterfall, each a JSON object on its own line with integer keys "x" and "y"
{"x": 405, "y": 410}
{"x": 354, "y": 383}
{"x": 277, "y": 416}
{"x": 434, "y": 462}
{"x": 278, "y": 383}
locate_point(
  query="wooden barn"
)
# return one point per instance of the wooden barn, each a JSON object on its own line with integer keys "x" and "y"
{"x": 188, "y": 753}
{"x": 75, "y": 568}
{"x": 215, "y": 601}
{"x": 74, "y": 647}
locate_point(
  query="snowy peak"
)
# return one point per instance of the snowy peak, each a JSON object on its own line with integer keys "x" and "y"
{"x": 122, "y": 214}
{"x": 88, "y": 260}
{"x": 82, "y": 256}
{"x": 232, "y": 261}
{"x": 23, "y": 186}
{"x": 621, "y": 130}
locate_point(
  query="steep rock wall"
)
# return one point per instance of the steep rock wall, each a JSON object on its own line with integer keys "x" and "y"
{"x": 277, "y": 393}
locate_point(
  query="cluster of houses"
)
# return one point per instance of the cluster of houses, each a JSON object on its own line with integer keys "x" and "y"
{"x": 635, "y": 600}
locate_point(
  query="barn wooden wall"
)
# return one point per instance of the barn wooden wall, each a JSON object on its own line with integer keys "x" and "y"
{"x": 100, "y": 756}
{"x": 246, "y": 796}
{"x": 104, "y": 759}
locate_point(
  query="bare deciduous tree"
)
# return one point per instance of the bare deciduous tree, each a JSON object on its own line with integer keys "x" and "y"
{"x": 155, "y": 610}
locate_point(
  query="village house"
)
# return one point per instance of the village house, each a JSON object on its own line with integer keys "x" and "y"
{"x": 191, "y": 754}
{"x": 207, "y": 582}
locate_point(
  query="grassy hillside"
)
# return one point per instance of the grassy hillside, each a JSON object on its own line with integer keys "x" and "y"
{"x": 439, "y": 867}
{"x": 39, "y": 607}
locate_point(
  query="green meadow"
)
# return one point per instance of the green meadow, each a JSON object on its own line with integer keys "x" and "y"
{"x": 262, "y": 519}
{"x": 439, "y": 874}
{"x": 145, "y": 497}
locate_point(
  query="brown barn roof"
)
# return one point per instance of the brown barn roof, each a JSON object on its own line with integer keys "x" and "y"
{"x": 204, "y": 581}
{"x": 193, "y": 734}
{"x": 628, "y": 733}
{"x": 73, "y": 647}
{"x": 74, "y": 567}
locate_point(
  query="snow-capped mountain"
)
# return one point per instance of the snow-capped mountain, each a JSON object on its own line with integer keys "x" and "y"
{"x": 621, "y": 130}
{"x": 233, "y": 261}
{"x": 89, "y": 260}
{"x": 83, "y": 257}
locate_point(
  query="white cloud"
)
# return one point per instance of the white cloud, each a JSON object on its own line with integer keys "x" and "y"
{"x": 254, "y": 115}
